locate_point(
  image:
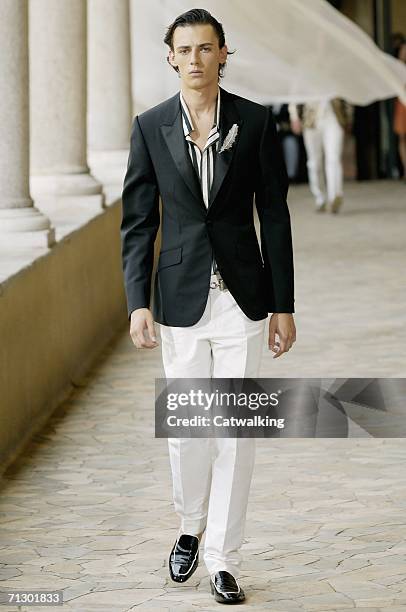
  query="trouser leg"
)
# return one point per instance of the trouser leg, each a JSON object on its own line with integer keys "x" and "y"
{"x": 314, "y": 151}
{"x": 291, "y": 152}
{"x": 333, "y": 139}
{"x": 186, "y": 353}
{"x": 237, "y": 350}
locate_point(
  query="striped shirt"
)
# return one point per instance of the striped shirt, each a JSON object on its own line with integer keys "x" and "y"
{"x": 203, "y": 161}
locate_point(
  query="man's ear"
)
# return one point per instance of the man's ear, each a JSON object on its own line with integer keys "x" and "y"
{"x": 223, "y": 54}
{"x": 171, "y": 59}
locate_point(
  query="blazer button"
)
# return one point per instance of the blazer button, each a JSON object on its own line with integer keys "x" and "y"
{"x": 209, "y": 222}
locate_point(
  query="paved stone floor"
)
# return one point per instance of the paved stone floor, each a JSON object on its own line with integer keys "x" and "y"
{"x": 87, "y": 508}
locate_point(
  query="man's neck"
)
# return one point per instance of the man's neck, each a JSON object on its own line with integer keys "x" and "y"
{"x": 200, "y": 102}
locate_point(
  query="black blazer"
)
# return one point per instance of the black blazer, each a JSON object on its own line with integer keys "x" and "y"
{"x": 261, "y": 280}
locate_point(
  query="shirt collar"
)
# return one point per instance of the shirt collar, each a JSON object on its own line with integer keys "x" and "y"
{"x": 187, "y": 119}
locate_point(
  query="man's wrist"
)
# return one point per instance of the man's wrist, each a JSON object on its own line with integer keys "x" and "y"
{"x": 137, "y": 309}
{"x": 130, "y": 314}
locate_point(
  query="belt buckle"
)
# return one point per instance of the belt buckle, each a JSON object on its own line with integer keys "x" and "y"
{"x": 220, "y": 282}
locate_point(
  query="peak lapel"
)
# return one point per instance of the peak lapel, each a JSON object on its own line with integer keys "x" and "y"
{"x": 228, "y": 116}
{"x": 175, "y": 139}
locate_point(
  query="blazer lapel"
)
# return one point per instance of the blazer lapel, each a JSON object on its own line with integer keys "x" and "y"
{"x": 175, "y": 139}
{"x": 172, "y": 131}
{"x": 228, "y": 116}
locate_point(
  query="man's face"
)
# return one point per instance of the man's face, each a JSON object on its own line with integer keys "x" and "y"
{"x": 197, "y": 55}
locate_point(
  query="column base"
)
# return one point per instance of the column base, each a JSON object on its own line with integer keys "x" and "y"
{"x": 60, "y": 185}
{"x": 25, "y": 226}
{"x": 65, "y": 209}
{"x": 109, "y": 167}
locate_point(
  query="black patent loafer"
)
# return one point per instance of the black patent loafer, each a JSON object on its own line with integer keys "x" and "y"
{"x": 226, "y": 589}
{"x": 184, "y": 558}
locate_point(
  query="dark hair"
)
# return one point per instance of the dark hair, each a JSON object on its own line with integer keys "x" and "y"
{"x": 194, "y": 17}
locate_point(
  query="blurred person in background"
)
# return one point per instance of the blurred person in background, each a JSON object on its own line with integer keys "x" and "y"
{"x": 289, "y": 140}
{"x": 399, "y": 118}
{"x": 397, "y": 40}
{"x": 323, "y": 123}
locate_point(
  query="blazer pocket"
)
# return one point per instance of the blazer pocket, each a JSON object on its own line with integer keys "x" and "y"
{"x": 169, "y": 257}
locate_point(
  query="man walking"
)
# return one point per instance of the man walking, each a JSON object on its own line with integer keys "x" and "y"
{"x": 324, "y": 124}
{"x": 207, "y": 152}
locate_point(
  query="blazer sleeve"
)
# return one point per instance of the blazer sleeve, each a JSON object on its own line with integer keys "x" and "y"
{"x": 140, "y": 222}
{"x": 271, "y": 191}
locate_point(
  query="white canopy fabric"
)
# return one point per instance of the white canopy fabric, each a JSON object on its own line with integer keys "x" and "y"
{"x": 286, "y": 51}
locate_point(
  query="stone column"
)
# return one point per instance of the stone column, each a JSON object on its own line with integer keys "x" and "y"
{"x": 21, "y": 224}
{"x": 58, "y": 81}
{"x": 109, "y": 88}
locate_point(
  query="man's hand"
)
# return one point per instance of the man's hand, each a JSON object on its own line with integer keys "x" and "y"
{"x": 348, "y": 129}
{"x": 142, "y": 321}
{"x": 296, "y": 127}
{"x": 281, "y": 323}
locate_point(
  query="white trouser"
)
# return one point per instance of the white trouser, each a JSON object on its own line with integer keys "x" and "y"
{"x": 212, "y": 476}
{"x": 327, "y": 136}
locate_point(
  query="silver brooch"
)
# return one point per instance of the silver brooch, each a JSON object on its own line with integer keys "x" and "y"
{"x": 230, "y": 138}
